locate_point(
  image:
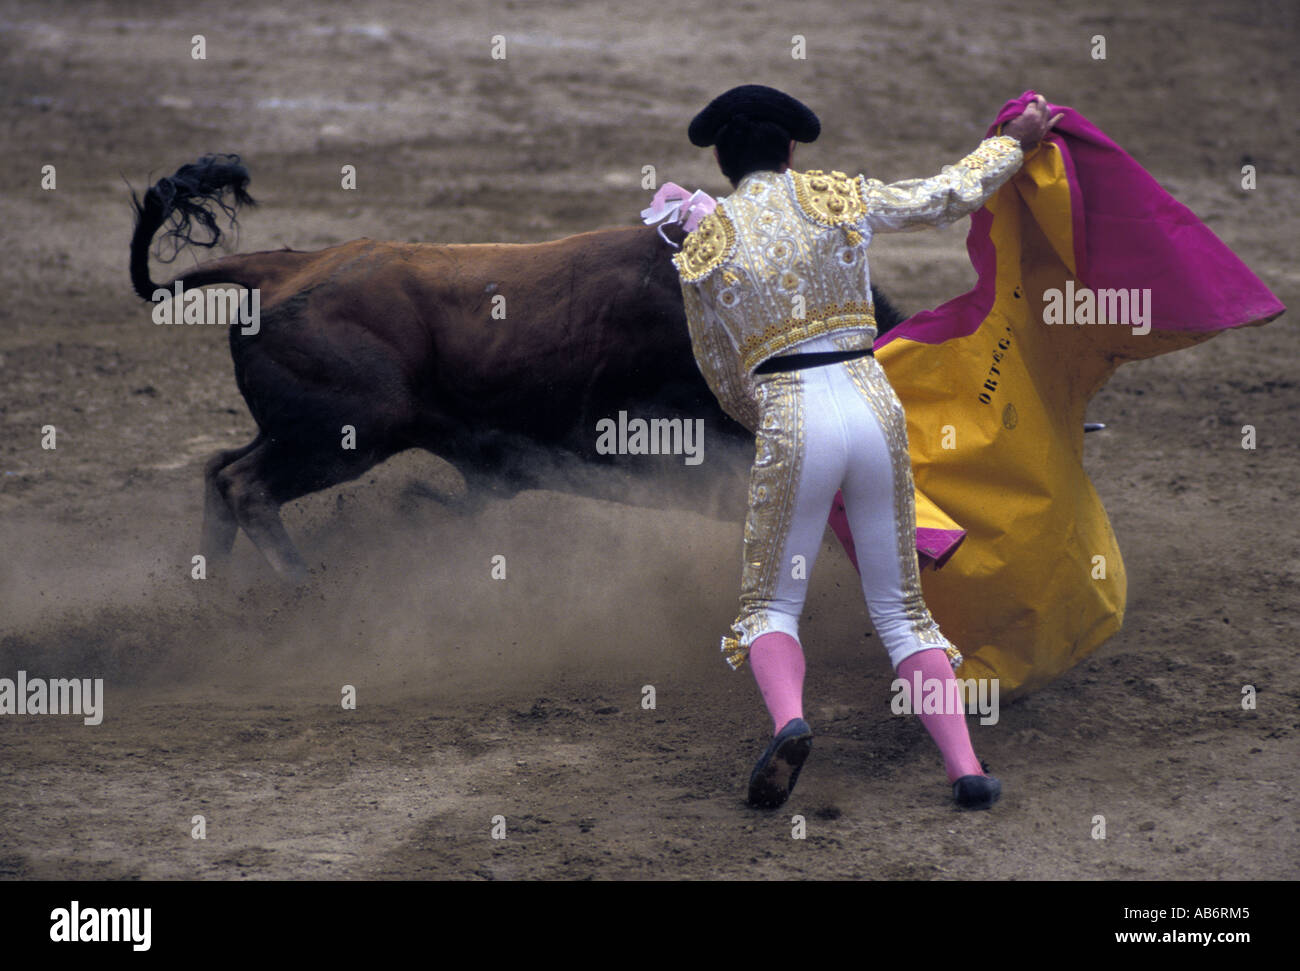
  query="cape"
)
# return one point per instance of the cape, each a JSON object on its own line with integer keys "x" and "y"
{"x": 1029, "y": 579}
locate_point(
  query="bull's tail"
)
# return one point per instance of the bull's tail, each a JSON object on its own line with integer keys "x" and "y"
{"x": 187, "y": 198}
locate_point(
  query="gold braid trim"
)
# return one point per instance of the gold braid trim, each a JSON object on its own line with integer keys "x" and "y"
{"x": 708, "y": 247}
{"x": 830, "y": 199}
{"x": 852, "y": 314}
{"x": 955, "y": 192}
{"x": 773, "y": 487}
{"x": 716, "y": 358}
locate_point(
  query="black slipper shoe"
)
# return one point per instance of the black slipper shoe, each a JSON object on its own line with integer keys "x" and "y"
{"x": 773, "y": 778}
{"x": 976, "y": 791}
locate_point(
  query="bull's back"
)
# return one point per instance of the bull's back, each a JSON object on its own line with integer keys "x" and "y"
{"x": 527, "y": 336}
{"x": 540, "y": 337}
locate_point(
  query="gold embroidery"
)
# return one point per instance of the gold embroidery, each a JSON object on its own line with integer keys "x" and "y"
{"x": 758, "y": 347}
{"x": 707, "y": 247}
{"x": 831, "y": 199}
{"x": 955, "y": 192}
{"x": 778, "y": 251}
{"x": 773, "y": 484}
{"x": 717, "y": 361}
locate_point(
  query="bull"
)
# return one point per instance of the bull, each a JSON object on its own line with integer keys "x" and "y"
{"x": 487, "y": 355}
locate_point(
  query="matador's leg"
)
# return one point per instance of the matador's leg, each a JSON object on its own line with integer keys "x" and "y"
{"x": 880, "y": 505}
{"x": 798, "y": 466}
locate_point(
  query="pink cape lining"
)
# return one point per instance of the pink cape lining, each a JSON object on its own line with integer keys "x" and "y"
{"x": 1128, "y": 233}
{"x": 933, "y": 546}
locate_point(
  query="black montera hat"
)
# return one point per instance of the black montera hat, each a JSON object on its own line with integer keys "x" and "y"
{"x": 760, "y": 103}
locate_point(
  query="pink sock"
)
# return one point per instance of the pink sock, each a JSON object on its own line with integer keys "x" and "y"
{"x": 947, "y": 728}
{"x": 777, "y": 660}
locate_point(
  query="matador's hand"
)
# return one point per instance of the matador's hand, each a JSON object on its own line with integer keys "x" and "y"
{"x": 1030, "y": 127}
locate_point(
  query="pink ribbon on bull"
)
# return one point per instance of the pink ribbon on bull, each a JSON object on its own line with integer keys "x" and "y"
{"x": 673, "y": 204}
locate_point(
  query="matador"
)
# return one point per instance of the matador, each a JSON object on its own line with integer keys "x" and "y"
{"x": 778, "y": 300}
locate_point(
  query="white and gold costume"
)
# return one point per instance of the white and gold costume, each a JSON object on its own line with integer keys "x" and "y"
{"x": 778, "y": 268}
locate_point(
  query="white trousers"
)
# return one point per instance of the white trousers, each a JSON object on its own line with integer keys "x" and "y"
{"x": 838, "y": 427}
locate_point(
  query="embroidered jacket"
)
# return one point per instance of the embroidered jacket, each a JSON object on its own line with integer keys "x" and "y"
{"x": 782, "y": 260}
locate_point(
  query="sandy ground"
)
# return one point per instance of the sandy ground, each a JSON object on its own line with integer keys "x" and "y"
{"x": 523, "y": 699}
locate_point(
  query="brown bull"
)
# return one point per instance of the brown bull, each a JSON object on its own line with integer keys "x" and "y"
{"x": 400, "y": 341}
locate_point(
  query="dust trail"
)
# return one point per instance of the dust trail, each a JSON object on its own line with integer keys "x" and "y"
{"x": 406, "y": 596}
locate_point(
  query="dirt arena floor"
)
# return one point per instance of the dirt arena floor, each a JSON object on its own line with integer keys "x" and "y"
{"x": 523, "y": 699}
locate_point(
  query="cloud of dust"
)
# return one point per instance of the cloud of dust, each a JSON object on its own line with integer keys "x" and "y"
{"x": 408, "y": 597}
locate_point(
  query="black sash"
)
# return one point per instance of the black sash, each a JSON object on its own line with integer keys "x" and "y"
{"x": 797, "y": 362}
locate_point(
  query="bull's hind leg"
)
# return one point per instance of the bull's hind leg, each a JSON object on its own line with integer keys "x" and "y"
{"x": 219, "y": 524}
{"x": 246, "y": 486}
{"x": 272, "y": 473}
